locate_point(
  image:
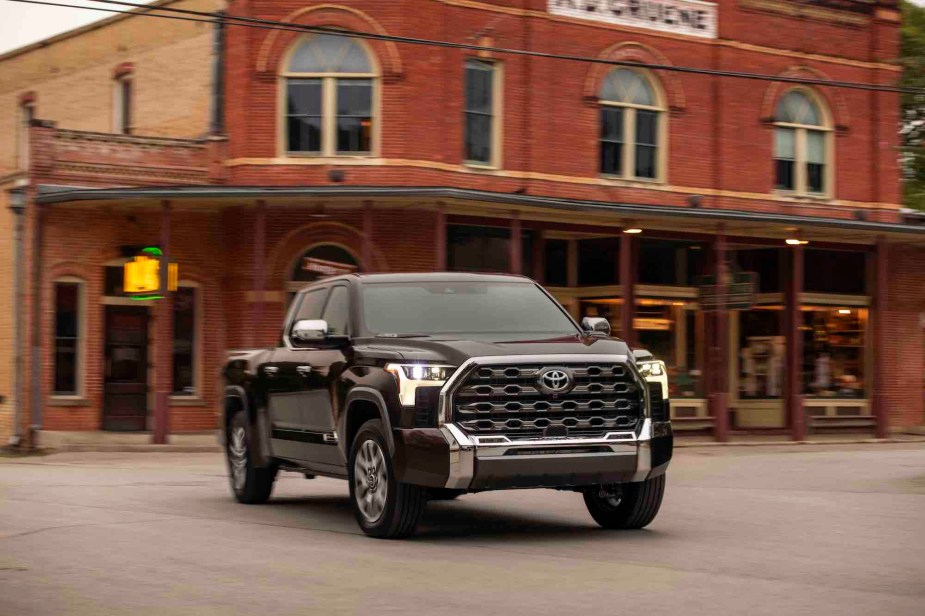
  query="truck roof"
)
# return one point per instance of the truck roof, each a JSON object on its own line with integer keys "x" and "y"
{"x": 426, "y": 277}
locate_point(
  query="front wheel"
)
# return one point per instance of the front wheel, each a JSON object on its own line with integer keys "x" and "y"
{"x": 384, "y": 507}
{"x": 633, "y": 505}
{"x": 250, "y": 484}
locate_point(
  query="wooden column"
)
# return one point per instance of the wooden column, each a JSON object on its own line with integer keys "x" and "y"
{"x": 517, "y": 248}
{"x": 628, "y": 288}
{"x": 719, "y": 356}
{"x": 260, "y": 242}
{"x": 879, "y": 406}
{"x": 163, "y": 336}
{"x": 794, "y": 378}
{"x": 367, "y": 255}
{"x": 440, "y": 264}
{"x": 539, "y": 258}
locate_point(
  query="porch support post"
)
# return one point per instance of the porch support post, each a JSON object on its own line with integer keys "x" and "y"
{"x": 628, "y": 288}
{"x": 719, "y": 356}
{"x": 163, "y": 335}
{"x": 539, "y": 258}
{"x": 794, "y": 380}
{"x": 35, "y": 393}
{"x": 260, "y": 242}
{"x": 440, "y": 264}
{"x": 878, "y": 398}
{"x": 367, "y": 255}
{"x": 516, "y": 245}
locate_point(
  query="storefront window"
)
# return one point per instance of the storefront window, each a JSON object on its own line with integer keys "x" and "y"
{"x": 669, "y": 329}
{"x": 597, "y": 261}
{"x": 835, "y": 271}
{"x": 556, "y": 263}
{"x": 671, "y": 262}
{"x": 67, "y": 336}
{"x": 766, "y": 263}
{"x": 486, "y": 249}
{"x": 184, "y": 341}
{"x": 762, "y": 352}
{"x": 833, "y": 352}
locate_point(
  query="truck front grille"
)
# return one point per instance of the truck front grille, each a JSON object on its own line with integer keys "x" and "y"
{"x": 509, "y": 400}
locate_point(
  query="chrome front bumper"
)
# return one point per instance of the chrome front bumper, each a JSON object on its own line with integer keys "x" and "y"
{"x": 495, "y": 462}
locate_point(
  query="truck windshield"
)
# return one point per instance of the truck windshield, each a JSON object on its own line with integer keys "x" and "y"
{"x": 462, "y": 308}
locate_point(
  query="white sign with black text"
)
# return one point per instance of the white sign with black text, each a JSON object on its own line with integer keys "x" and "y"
{"x": 690, "y": 17}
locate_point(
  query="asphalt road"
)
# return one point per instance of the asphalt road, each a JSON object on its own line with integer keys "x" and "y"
{"x": 756, "y": 530}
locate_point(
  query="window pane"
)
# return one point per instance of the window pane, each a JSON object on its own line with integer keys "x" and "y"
{"x": 184, "y": 341}
{"x": 478, "y": 137}
{"x": 354, "y": 115}
{"x": 479, "y": 86}
{"x": 312, "y": 303}
{"x": 627, "y": 86}
{"x": 784, "y": 144}
{"x": 783, "y": 174}
{"x": 328, "y": 53}
{"x": 612, "y": 140}
{"x": 815, "y": 175}
{"x": 833, "y": 352}
{"x": 304, "y": 134}
{"x": 798, "y": 108}
{"x": 67, "y": 322}
{"x": 304, "y": 97}
{"x": 646, "y": 137}
{"x": 126, "y": 101}
{"x": 336, "y": 312}
{"x": 815, "y": 147}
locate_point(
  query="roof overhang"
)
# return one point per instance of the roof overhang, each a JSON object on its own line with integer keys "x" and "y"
{"x": 236, "y": 195}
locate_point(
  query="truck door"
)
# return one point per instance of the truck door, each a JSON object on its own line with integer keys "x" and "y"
{"x": 286, "y": 383}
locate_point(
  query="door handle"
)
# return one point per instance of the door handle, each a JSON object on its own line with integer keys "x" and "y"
{"x": 304, "y": 370}
{"x": 270, "y": 371}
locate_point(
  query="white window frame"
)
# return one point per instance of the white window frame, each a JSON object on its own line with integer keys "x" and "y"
{"x": 80, "y": 350}
{"x": 628, "y": 171}
{"x": 328, "y": 107}
{"x": 497, "y": 115}
{"x": 800, "y": 180}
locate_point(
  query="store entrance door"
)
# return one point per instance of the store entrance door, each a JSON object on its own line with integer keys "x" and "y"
{"x": 125, "y": 386}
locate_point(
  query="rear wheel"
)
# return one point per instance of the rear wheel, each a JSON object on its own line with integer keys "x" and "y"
{"x": 383, "y": 506}
{"x": 249, "y": 484}
{"x": 630, "y": 505}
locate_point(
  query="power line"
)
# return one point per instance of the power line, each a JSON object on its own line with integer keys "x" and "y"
{"x": 266, "y": 24}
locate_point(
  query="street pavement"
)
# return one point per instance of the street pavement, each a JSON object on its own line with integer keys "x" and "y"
{"x": 743, "y": 530}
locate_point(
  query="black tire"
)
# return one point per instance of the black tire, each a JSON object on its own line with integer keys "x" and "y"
{"x": 402, "y": 504}
{"x": 254, "y": 485}
{"x": 637, "y": 507}
{"x": 443, "y": 494}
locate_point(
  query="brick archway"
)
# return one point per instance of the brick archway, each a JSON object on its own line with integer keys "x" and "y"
{"x": 635, "y": 52}
{"x": 834, "y": 101}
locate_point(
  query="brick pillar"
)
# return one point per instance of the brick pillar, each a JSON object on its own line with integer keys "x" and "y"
{"x": 628, "y": 287}
{"x": 260, "y": 242}
{"x": 719, "y": 354}
{"x": 367, "y": 254}
{"x": 516, "y": 245}
{"x": 440, "y": 264}
{"x": 879, "y": 322}
{"x": 163, "y": 341}
{"x": 794, "y": 379}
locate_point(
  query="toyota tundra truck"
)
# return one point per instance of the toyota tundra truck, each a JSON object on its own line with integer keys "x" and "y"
{"x": 416, "y": 387}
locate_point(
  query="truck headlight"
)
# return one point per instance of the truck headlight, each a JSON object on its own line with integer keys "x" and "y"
{"x": 654, "y": 371}
{"x": 411, "y": 376}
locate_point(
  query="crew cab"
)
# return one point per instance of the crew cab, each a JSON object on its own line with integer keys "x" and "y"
{"x": 414, "y": 387}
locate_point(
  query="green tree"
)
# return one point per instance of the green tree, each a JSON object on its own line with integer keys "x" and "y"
{"x": 912, "y": 57}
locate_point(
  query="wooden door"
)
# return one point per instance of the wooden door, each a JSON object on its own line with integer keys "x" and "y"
{"x": 125, "y": 386}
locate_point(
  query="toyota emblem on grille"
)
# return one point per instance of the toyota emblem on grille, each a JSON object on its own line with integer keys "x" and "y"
{"x": 554, "y": 380}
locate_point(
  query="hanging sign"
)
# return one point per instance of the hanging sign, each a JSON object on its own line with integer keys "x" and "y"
{"x": 143, "y": 276}
{"x": 690, "y": 17}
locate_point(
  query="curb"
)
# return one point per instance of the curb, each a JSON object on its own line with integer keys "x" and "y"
{"x": 857, "y": 441}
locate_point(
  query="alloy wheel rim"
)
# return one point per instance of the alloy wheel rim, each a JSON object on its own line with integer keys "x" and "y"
{"x": 370, "y": 481}
{"x": 237, "y": 456}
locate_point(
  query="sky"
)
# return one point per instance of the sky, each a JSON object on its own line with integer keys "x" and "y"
{"x": 21, "y": 24}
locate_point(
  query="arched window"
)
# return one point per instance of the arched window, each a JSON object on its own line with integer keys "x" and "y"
{"x": 330, "y": 97}
{"x": 802, "y": 150}
{"x": 631, "y": 126}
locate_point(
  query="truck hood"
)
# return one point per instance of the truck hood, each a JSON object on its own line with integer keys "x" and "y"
{"x": 457, "y": 351}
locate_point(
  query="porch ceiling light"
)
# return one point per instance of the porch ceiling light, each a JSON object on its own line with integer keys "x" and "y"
{"x": 792, "y": 241}
{"x": 844, "y": 311}
{"x": 632, "y": 230}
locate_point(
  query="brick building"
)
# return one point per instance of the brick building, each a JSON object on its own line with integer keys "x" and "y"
{"x": 633, "y": 194}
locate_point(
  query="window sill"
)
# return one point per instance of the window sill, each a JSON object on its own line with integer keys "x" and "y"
{"x": 333, "y": 158}
{"x": 619, "y": 180}
{"x": 807, "y": 197}
{"x": 186, "y": 401}
{"x": 67, "y": 401}
{"x": 480, "y": 167}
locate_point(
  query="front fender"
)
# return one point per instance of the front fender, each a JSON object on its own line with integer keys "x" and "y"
{"x": 363, "y": 394}
{"x": 236, "y": 396}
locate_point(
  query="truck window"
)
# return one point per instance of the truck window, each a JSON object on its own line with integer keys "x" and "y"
{"x": 336, "y": 312}
{"x": 311, "y": 305}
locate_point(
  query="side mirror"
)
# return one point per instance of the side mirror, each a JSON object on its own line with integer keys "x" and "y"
{"x": 596, "y": 324}
{"x": 310, "y": 330}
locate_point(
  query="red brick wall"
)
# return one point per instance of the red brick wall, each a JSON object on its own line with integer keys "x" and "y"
{"x": 904, "y": 359}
